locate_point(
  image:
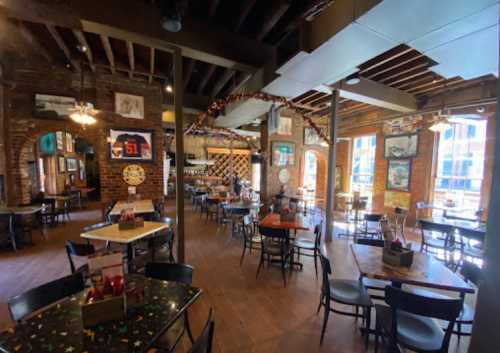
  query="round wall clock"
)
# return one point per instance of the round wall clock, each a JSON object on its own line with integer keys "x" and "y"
{"x": 284, "y": 176}
{"x": 134, "y": 174}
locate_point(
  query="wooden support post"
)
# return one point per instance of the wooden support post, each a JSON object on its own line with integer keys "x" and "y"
{"x": 485, "y": 338}
{"x": 330, "y": 186}
{"x": 231, "y": 165}
{"x": 179, "y": 153}
{"x": 264, "y": 142}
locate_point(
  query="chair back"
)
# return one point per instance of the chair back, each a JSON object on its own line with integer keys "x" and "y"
{"x": 373, "y": 217}
{"x": 471, "y": 272}
{"x": 75, "y": 249}
{"x": 438, "y": 308}
{"x": 472, "y": 234}
{"x": 50, "y": 204}
{"x": 326, "y": 271}
{"x": 371, "y": 242}
{"x": 272, "y": 232}
{"x": 318, "y": 229}
{"x": 435, "y": 227}
{"x": 203, "y": 343}
{"x": 37, "y": 298}
{"x": 169, "y": 272}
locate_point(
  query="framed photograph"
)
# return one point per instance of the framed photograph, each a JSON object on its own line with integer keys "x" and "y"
{"x": 69, "y": 143}
{"x": 401, "y": 146}
{"x": 129, "y": 106}
{"x": 47, "y": 144}
{"x": 71, "y": 164}
{"x": 82, "y": 169}
{"x": 49, "y": 106}
{"x": 59, "y": 141}
{"x": 311, "y": 137}
{"x": 283, "y": 154}
{"x": 61, "y": 163}
{"x": 133, "y": 144}
{"x": 285, "y": 126}
{"x": 398, "y": 174}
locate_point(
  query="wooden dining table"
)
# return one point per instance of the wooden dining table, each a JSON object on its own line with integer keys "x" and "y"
{"x": 426, "y": 271}
{"x": 139, "y": 206}
{"x": 273, "y": 220}
{"x": 59, "y": 328}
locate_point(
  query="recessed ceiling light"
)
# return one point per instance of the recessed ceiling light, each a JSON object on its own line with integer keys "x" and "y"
{"x": 480, "y": 109}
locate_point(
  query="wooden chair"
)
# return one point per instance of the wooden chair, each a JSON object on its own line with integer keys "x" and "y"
{"x": 275, "y": 247}
{"x": 203, "y": 343}
{"x": 308, "y": 247}
{"x": 342, "y": 291}
{"x": 80, "y": 250}
{"x": 37, "y": 298}
{"x": 176, "y": 273}
{"x": 408, "y": 321}
{"x": 251, "y": 241}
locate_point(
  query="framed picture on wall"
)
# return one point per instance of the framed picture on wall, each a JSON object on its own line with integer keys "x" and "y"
{"x": 283, "y": 154}
{"x": 131, "y": 144}
{"x": 59, "y": 141}
{"x": 69, "y": 143}
{"x": 50, "y": 106}
{"x": 311, "y": 137}
{"x": 398, "y": 174}
{"x": 285, "y": 126}
{"x": 71, "y": 164}
{"x": 47, "y": 144}
{"x": 401, "y": 146}
{"x": 129, "y": 105}
{"x": 82, "y": 169}
{"x": 61, "y": 164}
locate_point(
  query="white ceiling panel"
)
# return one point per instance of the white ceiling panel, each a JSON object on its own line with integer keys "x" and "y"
{"x": 242, "y": 113}
{"x": 282, "y": 86}
{"x": 404, "y": 21}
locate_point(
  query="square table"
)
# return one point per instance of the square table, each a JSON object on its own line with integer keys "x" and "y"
{"x": 59, "y": 328}
{"x": 139, "y": 206}
{"x": 426, "y": 271}
{"x": 273, "y": 220}
{"x": 112, "y": 233}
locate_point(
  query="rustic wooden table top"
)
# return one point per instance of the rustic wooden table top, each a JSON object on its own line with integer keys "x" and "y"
{"x": 425, "y": 271}
{"x": 139, "y": 206}
{"x": 272, "y": 220}
{"x": 114, "y": 234}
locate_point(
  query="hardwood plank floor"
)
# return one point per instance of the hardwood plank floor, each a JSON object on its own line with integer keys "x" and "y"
{"x": 252, "y": 314}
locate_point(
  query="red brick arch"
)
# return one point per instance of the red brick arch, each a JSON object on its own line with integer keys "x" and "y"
{"x": 22, "y": 145}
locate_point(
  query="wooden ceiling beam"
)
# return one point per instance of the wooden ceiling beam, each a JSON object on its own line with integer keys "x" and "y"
{"x": 443, "y": 86}
{"x": 34, "y": 43}
{"x": 274, "y": 16}
{"x": 386, "y": 60}
{"x": 213, "y": 7}
{"x": 62, "y": 45}
{"x": 406, "y": 77}
{"x": 395, "y": 66}
{"x": 411, "y": 84}
{"x": 245, "y": 10}
{"x": 198, "y": 40}
{"x": 131, "y": 58}
{"x": 435, "y": 81}
{"x": 204, "y": 80}
{"x": 151, "y": 64}
{"x": 109, "y": 52}
{"x": 189, "y": 71}
{"x": 223, "y": 80}
{"x": 80, "y": 36}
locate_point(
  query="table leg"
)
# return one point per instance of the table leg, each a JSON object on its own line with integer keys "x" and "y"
{"x": 130, "y": 257}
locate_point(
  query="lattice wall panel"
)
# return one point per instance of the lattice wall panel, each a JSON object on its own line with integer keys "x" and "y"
{"x": 222, "y": 166}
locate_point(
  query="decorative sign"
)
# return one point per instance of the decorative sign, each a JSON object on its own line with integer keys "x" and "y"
{"x": 53, "y": 106}
{"x": 134, "y": 174}
{"x": 129, "y": 106}
{"x": 395, "y": 199}
{"x": 284, "y": 176}
{"x": 131, "y": 145}
{"x": 403, "y": 125}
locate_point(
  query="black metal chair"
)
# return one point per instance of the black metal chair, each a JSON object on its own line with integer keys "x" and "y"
{"x": 237, "y": 215}
{"x": 81, "y": 250}
{"x": 275, "y": 247}
{"x": 471, "y": 244}
{"x": 6, "y": 231}
{"x": 203, "y": 343}
{"x": 37, "y": 298}
{"x": 408, "y": 321}
{"x": 50, "y": 213}
{"x": 342, "y": 291}
{"x": 162, "y": 238}
{"x": 251, "y": 241}
{"x": 438, "y": 240}
{"x": 309, "y": 247}
{"x": 176, "y": 273}
{"x": 212, "y": 209}
{"x": 372, "y": 225}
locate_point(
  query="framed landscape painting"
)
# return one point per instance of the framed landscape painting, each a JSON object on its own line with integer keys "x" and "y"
{"x": 131, "y": 144}
{"x": 49, "y": 106}
{"x": 398, "y": 174}
{"x": 401, "y": 146}
{"x": 129, "y": 105}
{"x": 71, "y": 164}
{"x": 283, "y": 154}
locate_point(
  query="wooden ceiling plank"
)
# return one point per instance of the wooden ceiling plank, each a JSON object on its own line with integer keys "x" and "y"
{"x": 273, "y": 18}
{"x": 131, "y": 58}
{"x": 35, "y": 43}
{"x": 62, "y": 45}
{"x": 431, "y": 77}
{"x": 444, "y": 85}
{"x": 204, "y": 80}
{"x": 245, "y": 10}
{"x": 109, "y": 53}
{"x": 392, "y": 67}
{"x": 416, "y": 88}
{"x": 398, "y": 73}
{"x": 189, "y": 71}
{"x": 223, "y": 80}
{"x": 80, "y": 36}
{"x": 151, "y": 64}
{"x": 381, "y": 62}
{"x": 406, "y": 78}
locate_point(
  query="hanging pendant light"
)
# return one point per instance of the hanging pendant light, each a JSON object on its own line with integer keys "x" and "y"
{"x": 83, "y": 111}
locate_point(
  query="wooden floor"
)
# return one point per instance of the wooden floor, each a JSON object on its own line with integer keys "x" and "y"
{"x": 252, "y": 315}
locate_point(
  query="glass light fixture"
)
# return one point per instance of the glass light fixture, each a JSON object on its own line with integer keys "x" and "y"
{"x": 82, "y": 114}
{"x": 440, "y": 126}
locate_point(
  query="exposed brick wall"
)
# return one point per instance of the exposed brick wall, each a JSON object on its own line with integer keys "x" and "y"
{"x": 99, "y": 88}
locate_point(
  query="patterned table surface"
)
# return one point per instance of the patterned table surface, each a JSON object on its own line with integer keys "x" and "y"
{"x": 59, "y": 328}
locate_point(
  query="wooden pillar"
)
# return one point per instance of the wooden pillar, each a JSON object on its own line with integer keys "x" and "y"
{"x": 264, "y": 143}
{"x": 179, "y": 153}
{"x": 330, "y": 186}
{"x": 231, "y": 165}
{"x": 485, "y": 338}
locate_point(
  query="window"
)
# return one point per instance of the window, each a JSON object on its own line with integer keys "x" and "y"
{"x": 310, "y": 170}
{"x": 363, "y": 165}
{"x": 460, "y": 163}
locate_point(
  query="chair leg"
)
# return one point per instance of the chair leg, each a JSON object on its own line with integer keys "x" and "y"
{"x": 13, "y": 241}
{"x": 367, "y": 325}
{"x": 377, "y": 334}
{"x": 320, "y": 302}
{"x": 243, "y": 254}
{"x": 316, "y": 263}
{"x": 188, "y": 327}
{"x": 260, "y": 265}
{"x": 325, "y": 321}
{"x": 283, "y": 274}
